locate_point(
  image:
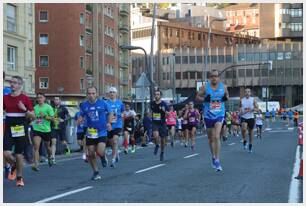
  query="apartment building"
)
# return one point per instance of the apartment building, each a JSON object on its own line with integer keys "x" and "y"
{"x": 19, "y": 44}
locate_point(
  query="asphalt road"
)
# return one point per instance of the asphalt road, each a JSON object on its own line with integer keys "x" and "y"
{"x": 261, "y": 177}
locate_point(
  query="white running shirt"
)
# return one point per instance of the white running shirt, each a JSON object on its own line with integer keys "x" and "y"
{"x": 247, "y": 103}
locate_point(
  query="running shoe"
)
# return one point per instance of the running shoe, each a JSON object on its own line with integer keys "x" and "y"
{"x": 12, "y": 174}
{"x": 144, "y": 145}
{"x": 20, "y": 182}
{"x": 84, "y": 156}
{"x": 213, "y": 163}
{"x": 156, "y": 149}
{"x": 53, "y": 161}
{"x": 96, "y": 176}
{"x": 126, "y": 151}
{"x": 218, "y": 166}
{"x": 104, "y": 161}
{"x": 7, "y": 171}
{"x": 113, "y": 163}
{"x": 35, "y": 168}
{"x": 172, "y": 144}
{"x": 49, "y": 161}
{"x": 161, "y": 158}
{"x": 133, "y": 150}
{"x": 186, "y": 145}
{"x": 250, "y": 151}
{"x": 67, "y": 151}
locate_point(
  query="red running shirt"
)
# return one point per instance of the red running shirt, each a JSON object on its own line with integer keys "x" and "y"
{"x": 10, "y": 103}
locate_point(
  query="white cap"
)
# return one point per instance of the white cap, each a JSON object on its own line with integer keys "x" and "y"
{"x": 112, "y": 89}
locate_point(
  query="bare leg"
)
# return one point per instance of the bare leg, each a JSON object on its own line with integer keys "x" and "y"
{"x": 37, "y": 141}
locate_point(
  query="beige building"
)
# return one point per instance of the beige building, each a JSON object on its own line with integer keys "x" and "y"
{"x": 19, "y": 44}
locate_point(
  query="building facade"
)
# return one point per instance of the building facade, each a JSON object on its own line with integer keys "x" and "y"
{"x": 266, "y": 21}
{"x": 90, "y": 55}
{"x": 19, "y": 44}
{"x": 184, "y": 69}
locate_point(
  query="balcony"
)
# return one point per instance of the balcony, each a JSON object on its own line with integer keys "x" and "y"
{"x": 285, "y": 32}
{"x": 124, "y": 63}
{"x": 286, "y": 18}
{"x": 124, "y": 28}
{"x": 124, "y": 9}
{"x": 124, "y": 81}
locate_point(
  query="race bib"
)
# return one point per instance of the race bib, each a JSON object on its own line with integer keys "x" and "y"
{"x": 171, "y": 119}
{"x": 17, "y": 131}
{"x": 39, "y": 121}
{"x": 156, "y": 116}
{"x": 192, "y": 119}
{"x": 93, "y": 133}
{"x": 215, "y": 105}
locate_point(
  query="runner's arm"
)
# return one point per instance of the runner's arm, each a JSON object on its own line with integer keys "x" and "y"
{"x": 200, "y": 94}
{"x": 255, "y": 105}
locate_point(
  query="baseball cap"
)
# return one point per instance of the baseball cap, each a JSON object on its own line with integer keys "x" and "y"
{"x": 112, "y": 89}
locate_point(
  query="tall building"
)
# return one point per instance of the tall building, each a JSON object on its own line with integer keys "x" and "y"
{"x": 19, "y": 44}
{"x": 79, "y": 46}
{"x": 266, "y": 21}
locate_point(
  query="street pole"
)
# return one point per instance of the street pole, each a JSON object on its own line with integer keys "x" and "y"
{"x": 151, "y": 53}
{"x": 173, "y": 79}
{"x": 143, "y": 96}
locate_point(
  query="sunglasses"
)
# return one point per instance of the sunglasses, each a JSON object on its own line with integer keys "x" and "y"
{"x": 214, "y": 76}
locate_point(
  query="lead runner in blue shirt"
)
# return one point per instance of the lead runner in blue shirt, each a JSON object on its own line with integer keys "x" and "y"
{"x": 117, "y": 109}
{"x": 98, "y": 119}
{"x": 214, "y": 94}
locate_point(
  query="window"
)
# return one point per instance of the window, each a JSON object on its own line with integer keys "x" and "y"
{"x": 177, "y": 59}
{"x": 43, "y": 61}
{"x": 170, "y": 32}
{"x": 264, "y": 72}
{"x": 30, "y": 63}
{"x": 272, "y": 56}
{"x": 82, "y": 21}
{"x": 108, "y": 12}
{"x": 82, "y": 62}
{"x": 256, "y": 72}
{"x": 30, "y": 9}
{"x": 185, "y": 75}
{"x": 256, "y": 56}
{"x": 241, "y": 72}
{"x": 191, "y": 59}
{"x": 199, "y": 59}
{"x": 43, "y": 39}
{"x": 43, "y": 16}
{"x": 185, "y": 60}
{"x": 280, "y": 56}
{"x": 296, "y": 26}
{"x": 288, "y": 55}
{"x": 249, "y": 57}
{"x": 248, "y": 72}
{"x": 164, "y": 76}
{"x": 30, "y": 81}
{"x": 109, "y": 31}
{"x": 241, "y": 57}
{"x": 296, "y": 12}
{"x": 30, "y": 32}
{"x": 178, "y": 75}
{"x": 168, "y": 75}
{"x": 81, "y": 41}
{"x": 199, "y": 36}
{"x": 11, "y": 18}
{"x": 177, "y": 34}
{"x": 221, "y": 58}
{"x": 264, "y": 56}
{"x": 82, "y": 84}
{"x": 213, "y": 59}
{"x": 43, "y": 83}
{"x": 229, "y": 58}
{"x": 192, "y": 75}
{"x": 199, "y": 75}
{"x": 11, "y": 57}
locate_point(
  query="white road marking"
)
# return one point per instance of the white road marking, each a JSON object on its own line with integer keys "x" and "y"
{"x": 294, "y": 184}
{"x": 191, "y": 156}
{"x": 279, "y": 131}
{"x": 149, "y": 168}
{"x": 63, "y": 195}
{"x": 290, "y": 128}
{"x": 232, "y": 143}
{"x": 268, "y": 129}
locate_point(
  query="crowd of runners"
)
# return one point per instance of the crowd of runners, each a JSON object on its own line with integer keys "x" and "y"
{"x": 101, "y": 123}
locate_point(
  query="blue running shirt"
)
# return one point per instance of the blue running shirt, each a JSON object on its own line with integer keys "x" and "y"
{"x": 80, "y": 128}
{"x": 96, "y": 118}
{"x": 215, "y": 108}
{"x": 116, "y": 108}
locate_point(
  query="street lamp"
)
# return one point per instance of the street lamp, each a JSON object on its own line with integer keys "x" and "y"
{"x": 130, "y": 47}
{"x": 208, "y": 45}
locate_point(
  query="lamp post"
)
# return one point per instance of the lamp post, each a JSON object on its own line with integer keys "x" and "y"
{"x": 130, "y": 47}
{"x": 208, "y": 45}
{"x": 173, "y": 79}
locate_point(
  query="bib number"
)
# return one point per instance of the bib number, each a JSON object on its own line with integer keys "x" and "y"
{"x": 93, "y": 133}
{"x": 191, "y": 119}
{"x": 17, "y": 131}
{"x": 156, "y": 116}
{"x": 215, "y": 105}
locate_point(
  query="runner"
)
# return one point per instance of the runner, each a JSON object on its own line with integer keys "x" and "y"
{"x": 18, "y": 108}
{"x": 185, "y": 126}
{"x": 296, "y": 118}
{"x": 94, "y": 111}
{"x": 273, "y": 113}
{"x": 223, "y": 133}
{"x": 193, "y": 117}
{"x": 247, "y": 106}
{"x": 61, "y": 116}
{"x": 235, "y": 123}
{"x": 159, "y": 111}
{"x": 259, "y": 123}
{"x": 229, "y": 123}
{"x": 128, "y": 116}
{"x": 179, "y": 129}
{"x": 42, "y": 129}
{"x": 117, "y": 109}
{"x": 171, "y": 122}
{"x": 81, "y": 135}
{"x": 214, "y": 94}
{"x": 147, "y": 124}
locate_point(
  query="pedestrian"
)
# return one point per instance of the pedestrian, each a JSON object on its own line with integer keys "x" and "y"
{"x": 193, "y": 117}
{"x": 18, "y": 108}
{"x": 259, "y": 123}
{"x": 44, "y": 114}
{"x": 171, "y": 122}
{"x": 159, "y": 110}
{"x": 247, "y": 107}
{"x": 117, "y": 109}
{"x": 59, "y": 125}
{"x": 98, "y": 117}
{"x": 214, "y": 94}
